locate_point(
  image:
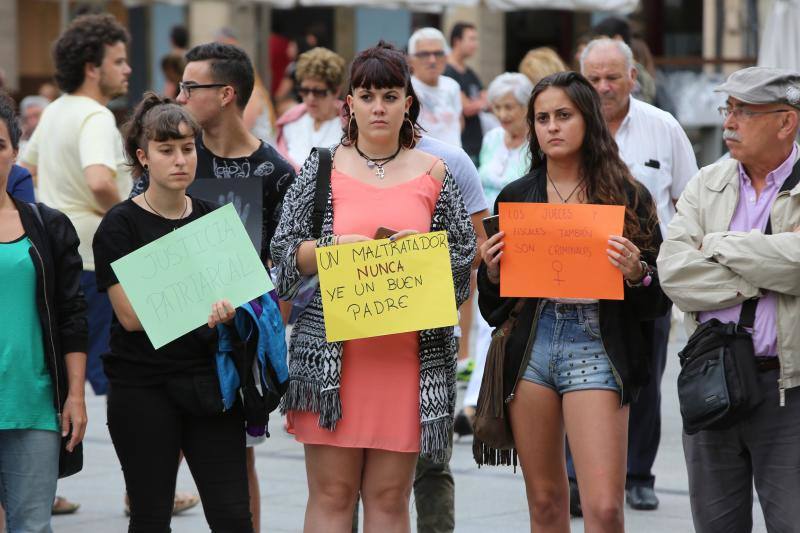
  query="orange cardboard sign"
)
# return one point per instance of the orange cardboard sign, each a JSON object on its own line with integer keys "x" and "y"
{"x": 559, "y": 250}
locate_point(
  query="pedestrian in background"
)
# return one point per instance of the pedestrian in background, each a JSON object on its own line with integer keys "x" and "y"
{"x": 505, "y": 157}
{"x": 575, "y": 160}
{"x": 659, "y": 155}
{"x": 464, "y": 45}
{"x": 439, "y": 96}
{"x": 365, "y": 409}
{"x": 736, "y": 237}
{"x": 76, "y": 153}
{"x": 30, "y": 110}
{"x": 317, "y": 121}
{"x": 541, "y": 62}
{"x": 166, "y": 401}
{"x": 43, "y": 341}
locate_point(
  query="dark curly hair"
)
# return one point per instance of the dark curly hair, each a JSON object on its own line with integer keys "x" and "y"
{"x": 84, "y": 41}
{"x": 229, "y": 65}
{"x": 607, "y": 176}
{"x": 155, "y": 119}
{"x": 382, "y": 67}
{"x": 8, "y": 114}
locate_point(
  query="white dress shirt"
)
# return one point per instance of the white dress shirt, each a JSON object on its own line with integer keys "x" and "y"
{"x": 658, "y": 154}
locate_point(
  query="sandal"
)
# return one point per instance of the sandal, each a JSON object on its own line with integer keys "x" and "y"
{"x": 61, "y": 505}
{"x": 183, "y": 502}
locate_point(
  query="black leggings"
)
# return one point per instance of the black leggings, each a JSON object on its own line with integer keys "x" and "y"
{"x": 149, "y": 430}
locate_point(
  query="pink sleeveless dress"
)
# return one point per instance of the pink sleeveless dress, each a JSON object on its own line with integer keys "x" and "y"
{"x": 380, "y": 375}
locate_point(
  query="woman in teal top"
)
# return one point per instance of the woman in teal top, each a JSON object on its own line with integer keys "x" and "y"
{"x": 42, "y": 348}
{"x": 504, "y": 152}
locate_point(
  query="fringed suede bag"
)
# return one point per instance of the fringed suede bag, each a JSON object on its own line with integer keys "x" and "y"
{"x": 493, "y": 443}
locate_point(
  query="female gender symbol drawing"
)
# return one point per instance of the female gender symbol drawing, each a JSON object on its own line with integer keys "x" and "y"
{"x": 558, "y": 267}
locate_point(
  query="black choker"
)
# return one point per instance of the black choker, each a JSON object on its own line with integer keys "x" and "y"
{"x": 377, "y": 162}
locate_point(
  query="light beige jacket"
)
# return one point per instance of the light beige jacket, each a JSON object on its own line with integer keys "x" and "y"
{"x": 703, "y": 267}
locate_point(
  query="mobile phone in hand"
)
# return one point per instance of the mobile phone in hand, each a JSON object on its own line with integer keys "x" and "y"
{"x": 491, "y": 225}
{"x": 384, "y": 232}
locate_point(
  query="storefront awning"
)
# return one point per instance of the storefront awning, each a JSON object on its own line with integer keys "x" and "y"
{"x": 780, "y": 47}
{"x": 619, "y": 6}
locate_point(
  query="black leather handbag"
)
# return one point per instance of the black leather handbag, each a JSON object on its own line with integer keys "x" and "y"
{"x": 718, "y": 382}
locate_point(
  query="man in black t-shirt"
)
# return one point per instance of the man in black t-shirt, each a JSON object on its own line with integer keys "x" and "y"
{"x": 217, "y": 83}
{"x": 464, "y": 44}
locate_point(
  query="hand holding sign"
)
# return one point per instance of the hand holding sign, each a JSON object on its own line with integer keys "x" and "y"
{"x": 173, "y": 281}
{"x": 380, "y": 287}
{"x": 558, "y": 250}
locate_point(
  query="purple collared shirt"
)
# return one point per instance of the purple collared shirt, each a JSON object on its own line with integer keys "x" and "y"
{"x": 752, "y": 213}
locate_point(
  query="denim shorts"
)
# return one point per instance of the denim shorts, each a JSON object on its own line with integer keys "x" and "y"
{"x": 568, "y": 354}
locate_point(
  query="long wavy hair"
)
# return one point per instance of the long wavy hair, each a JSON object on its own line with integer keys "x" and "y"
{"x": 382, "y": 67}
{"x": 608, "y": 180}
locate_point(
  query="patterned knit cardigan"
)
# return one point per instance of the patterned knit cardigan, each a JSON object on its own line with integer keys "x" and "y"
{"x": 315, "y": 365}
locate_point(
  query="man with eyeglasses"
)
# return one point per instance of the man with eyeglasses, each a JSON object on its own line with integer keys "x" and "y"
{"x": 736, "y": 236}
{"x": 217, "y": 83}
{"x": 659, "y": 155}
{"x": 439, "y": 95}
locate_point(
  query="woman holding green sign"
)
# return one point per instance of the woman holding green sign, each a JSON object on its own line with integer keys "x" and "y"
{"x": 571, "y": 365}
{"x": 366, "y": 408}
{"x": 165, "y": 401}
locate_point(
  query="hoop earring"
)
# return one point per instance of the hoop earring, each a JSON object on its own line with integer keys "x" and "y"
{"x": 411, "y": 126}
{"x": 349, "y": 124}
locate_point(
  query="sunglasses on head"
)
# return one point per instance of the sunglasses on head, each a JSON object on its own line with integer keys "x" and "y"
{"x": 318, "y": 93}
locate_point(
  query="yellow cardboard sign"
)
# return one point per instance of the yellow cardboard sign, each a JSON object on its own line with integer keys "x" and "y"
{"x": 380, "y": 287}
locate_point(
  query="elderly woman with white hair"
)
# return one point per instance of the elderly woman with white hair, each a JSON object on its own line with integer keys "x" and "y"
{"x": 504, "y": 153}
{"x": 504, "y": 157}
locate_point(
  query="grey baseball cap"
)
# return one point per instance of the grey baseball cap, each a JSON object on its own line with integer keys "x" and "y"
{"x": 763, "y": 85}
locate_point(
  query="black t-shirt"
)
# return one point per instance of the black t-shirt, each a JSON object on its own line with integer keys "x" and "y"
{"x": 276, "y": 173}
{"x": 133, "y": 360}
{"x": 471, "y": 86}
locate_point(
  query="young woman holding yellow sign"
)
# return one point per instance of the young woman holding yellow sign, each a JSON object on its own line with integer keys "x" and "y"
{"x": 366, "y": 408}
{"x": 573, "y": 365}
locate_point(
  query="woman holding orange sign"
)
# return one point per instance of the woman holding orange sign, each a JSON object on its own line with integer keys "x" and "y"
{"x": 573, "y": 365}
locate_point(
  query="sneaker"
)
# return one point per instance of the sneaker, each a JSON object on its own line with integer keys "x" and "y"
{"x": 464, "y": 369}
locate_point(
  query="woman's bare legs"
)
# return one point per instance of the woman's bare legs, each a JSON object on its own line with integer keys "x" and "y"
{"x": 598, "y": 437}
{"x": 334, "y": 477}
{"x": 386, "y": 489}
{"x": 536, "y": 421}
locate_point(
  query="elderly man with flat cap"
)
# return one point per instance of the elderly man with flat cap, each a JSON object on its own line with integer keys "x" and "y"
{"x": 736, "y": 237}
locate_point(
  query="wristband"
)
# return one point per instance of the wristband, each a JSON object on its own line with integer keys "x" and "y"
{"x": 647, "y": 278}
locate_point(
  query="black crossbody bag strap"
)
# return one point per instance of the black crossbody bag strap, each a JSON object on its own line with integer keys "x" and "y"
{"x": 322, "y": 190}
{"x": 747, "y": 317}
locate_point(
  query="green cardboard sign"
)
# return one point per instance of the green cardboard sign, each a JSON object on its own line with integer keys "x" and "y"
{"x": 172, "y": 282}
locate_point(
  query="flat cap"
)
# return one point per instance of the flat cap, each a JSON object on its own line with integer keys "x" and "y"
{"x": 763, "y": 85}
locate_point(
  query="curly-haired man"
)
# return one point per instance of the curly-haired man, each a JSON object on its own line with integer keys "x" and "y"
{"x": 76, "y": 152}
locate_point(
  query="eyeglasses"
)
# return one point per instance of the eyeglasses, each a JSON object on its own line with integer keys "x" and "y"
{"x": 436, "y": 54}
{"x": 744, "y": 113}
{"x": 187, "y": 88}
{"x": 318, "y": 93}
